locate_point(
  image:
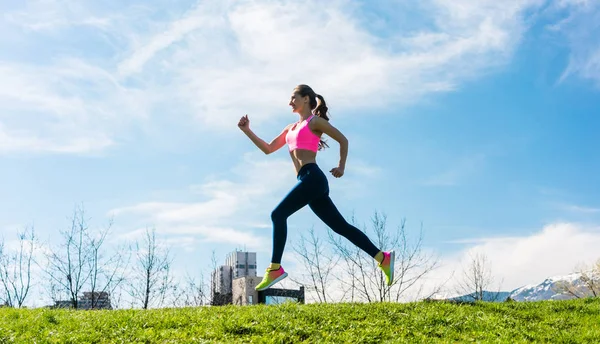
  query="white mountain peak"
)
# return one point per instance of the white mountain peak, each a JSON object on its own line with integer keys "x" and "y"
{"x": 562, "y": 287}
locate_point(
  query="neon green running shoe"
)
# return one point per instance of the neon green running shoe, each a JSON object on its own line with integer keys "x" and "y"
{"x": 387, "y": 266}
{"x": 271, "y": 277}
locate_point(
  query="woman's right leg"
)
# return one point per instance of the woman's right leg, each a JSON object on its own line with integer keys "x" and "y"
{"x": 300, "y": 195}
{"x": 295, "y": 200}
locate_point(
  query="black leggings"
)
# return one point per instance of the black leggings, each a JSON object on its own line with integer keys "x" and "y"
{"x": 313, "y": 189}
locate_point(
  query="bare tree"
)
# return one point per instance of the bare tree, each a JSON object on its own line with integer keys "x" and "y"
{"x": 591, "y": 278}
{"x": 3, "y": 294}
{"x": 190, "y": 291}
{"x": 213, "y": 278}
{"x": 80, "y": 263}
{"x": 15, "y": 268}
{"x": 117, "y": 296}
{"x": 412, "y": 263}
{"x": 356, "y": 279}
{"x": 587, "y": 285}
{"x": 318, "y": 262}
{"x": 365, "y": 280}
{"x": 477, "y": 280}
{"x": 151, "y": 280}
{"x": 68, "y": 266}
{"x": 106, "y": 272}
{"x": 195, "y": 291}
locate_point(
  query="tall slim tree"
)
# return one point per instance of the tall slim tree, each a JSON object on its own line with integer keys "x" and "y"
{"x": 107, "y": 272}
{"x": 195, "y": 291}
{"x": 478, "y": 280}
{"x": 364, "y": 280}
{"x": 68, "y": 264}
{"x": 151, "y": 280}
{"x": 15, "y": 268}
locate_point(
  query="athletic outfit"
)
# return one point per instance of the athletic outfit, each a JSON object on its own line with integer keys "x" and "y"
{"x": 312, "y": 189}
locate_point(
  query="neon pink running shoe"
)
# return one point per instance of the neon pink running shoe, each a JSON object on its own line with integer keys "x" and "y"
{"x": 387, "y": 266}
{"x": 271, "y": 277}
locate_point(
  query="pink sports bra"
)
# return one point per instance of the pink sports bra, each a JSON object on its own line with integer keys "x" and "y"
{"x": 301, "y": 137}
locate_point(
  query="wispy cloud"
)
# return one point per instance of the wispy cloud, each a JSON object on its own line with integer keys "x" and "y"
{"x": 70, "y": 107}
{"x": 579, "y": 23}
{"x": 217, "y": 60}
{"x": 204, "y": 17}
{"x": 580, "y": 209}
{"x": 228, "y": 206}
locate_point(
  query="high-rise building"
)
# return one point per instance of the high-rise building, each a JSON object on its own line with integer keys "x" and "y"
{"x": 242, "y": 263}
{"x": 221, "y": 280}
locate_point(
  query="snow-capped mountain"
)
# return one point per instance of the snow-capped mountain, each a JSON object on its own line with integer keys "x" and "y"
{"x": 552, "y": 289}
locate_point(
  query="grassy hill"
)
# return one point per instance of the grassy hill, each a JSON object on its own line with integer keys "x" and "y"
{"x": 576, "y": 321}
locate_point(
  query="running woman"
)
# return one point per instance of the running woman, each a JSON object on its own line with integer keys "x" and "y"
{"x": 304, "y": 140}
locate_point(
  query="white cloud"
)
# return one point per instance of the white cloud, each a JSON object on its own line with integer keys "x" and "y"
{"x": 516, "y": 261}
{"x": 70, "y": 107}
{"x": 281, "y": 44}
{"x": 222, "y": 59}
{"x": 219, "y": 60}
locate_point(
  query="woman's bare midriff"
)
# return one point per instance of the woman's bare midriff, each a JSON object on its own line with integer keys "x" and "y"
{"x": 301, "y": 157}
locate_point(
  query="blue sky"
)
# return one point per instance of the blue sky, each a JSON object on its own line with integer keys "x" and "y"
{"x": 478, "y": 120}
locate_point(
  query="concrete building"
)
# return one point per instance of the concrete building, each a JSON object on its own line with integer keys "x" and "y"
{"x": 243, "y": 290}
{"x": 101, "y": 300}
{"x": 242, "y": 263}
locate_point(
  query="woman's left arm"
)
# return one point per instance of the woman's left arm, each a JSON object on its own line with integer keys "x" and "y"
{"x": 322, "y": 125}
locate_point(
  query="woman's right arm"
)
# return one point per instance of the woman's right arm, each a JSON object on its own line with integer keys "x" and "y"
{"x": 267, "y": 148}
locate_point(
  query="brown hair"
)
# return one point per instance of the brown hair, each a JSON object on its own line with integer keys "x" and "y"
{"x": 317, "y": 103}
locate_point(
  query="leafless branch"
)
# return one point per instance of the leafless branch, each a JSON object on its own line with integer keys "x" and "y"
{"x": 68, "y": 266}
{"x": 477, "y": 279}
{"x": 587, "y": 285}
{"x": 318, "y": 262}
{"x": 362, "y": 275}
{"x": 15, "y": 268}
{"x": 152, "y": 278}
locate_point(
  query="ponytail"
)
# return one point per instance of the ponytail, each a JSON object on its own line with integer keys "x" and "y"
{"x": 321, "y": 111}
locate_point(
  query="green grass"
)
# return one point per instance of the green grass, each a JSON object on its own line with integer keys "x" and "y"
{"x": 576, "y": 321}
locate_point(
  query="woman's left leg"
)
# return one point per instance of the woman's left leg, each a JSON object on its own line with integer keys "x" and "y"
{"x": 326, "y": 210}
